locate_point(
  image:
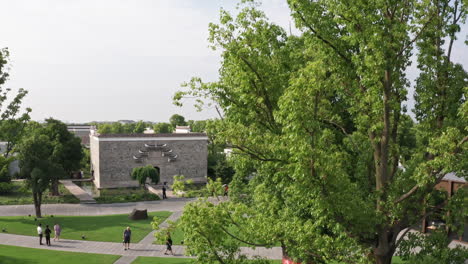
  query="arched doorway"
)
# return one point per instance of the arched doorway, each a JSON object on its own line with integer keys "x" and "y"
{"x": 158, "y": 171}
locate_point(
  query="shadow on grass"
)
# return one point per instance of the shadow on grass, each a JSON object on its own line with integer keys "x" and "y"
{"x": 11, "y": 260}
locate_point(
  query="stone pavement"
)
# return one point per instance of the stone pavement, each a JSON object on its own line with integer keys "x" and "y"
{"x": 175, "y": 204}
{"x": 117, "y": 248}
{"x": 149, "y": 239}
{"x": 157, "y": 189}
{"x": 78, "y": 192}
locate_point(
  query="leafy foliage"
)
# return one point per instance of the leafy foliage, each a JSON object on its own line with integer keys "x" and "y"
{"x": 12, "y": 122}
{"x": 177, "y": 120}
{"x": 162, "y": 128}
{"x": 327, "y": 162}
{"x": 141, "y": 174}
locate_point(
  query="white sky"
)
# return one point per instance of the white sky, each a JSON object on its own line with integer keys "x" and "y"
{"x": 96, "y": 60}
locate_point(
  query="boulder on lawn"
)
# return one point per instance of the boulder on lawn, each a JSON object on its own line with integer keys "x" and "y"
{"x": 138, "y": 214}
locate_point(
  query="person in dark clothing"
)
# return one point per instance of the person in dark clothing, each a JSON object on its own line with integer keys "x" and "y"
{"x": 47, "y": 235}
{"x": 127, "y": 234}
{"x": 168, "y": 244}
{"x": 164, "y": 191}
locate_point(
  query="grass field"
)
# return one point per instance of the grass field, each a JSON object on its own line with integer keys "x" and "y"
{"x": 155, "y": 260}
{"x": 21, "y": 195}
{"x": 107, "y": 228}
{"x": 16, "y": 255}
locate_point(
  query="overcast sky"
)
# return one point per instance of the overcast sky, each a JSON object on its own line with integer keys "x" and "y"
{"x": 96, "y": 60}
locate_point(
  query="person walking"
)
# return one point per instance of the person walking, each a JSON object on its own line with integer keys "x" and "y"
{"x": 226, "y": 190}
{"x": 47, "y": 235}
{"x": 39, "y": 232}
{"x": 126, "y": 238}
{"x": 168, "y": 244}
{"x": 164, "y": 192}
{"x": 57, "y": 230}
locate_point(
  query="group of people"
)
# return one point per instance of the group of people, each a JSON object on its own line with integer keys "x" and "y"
{"x": 127, "y": 234}
{"x": 47, "y": 232}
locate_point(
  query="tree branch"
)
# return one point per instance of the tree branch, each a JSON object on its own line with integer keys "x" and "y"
{"x": 415, "y": 37}
{"x": 243, "y": 241}
{"x": 328, "y": 43}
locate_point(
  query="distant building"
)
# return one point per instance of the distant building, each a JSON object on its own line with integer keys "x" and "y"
{"x": 123, "y": 122}
{"x": 81, "y": 131}
{"x": 182, "y": 129}
{"x": 148, "y": 131}
{"x": 450, "y": 184}
{"x": 114, "y": 156}
{"x": 13, "y": 168}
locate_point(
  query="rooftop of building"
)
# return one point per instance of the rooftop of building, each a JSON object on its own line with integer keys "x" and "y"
{"x": 151, "y": 135}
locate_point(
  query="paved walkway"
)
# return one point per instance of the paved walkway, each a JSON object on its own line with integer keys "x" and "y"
{"x": 157, "y": 189}
{"x": 117, "y": 248}
{"x": 149, "y": 239}
{"x": 171, "y": 205}
{"x": 78, "y": 192}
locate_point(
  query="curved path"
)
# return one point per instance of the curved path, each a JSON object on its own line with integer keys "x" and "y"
{"x": 171, "y": 205}
{"x": 117, "y": 248}
{"x": 143, "y": 248}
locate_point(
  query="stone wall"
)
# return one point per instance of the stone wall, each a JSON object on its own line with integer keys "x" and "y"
{"x": 113, "y": 158}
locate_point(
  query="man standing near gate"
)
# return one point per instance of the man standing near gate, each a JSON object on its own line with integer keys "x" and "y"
{"x": 164, "y": 191}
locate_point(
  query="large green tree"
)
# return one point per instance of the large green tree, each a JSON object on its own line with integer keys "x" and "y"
{"x": 67, "y": 152}
{"x": 36, "y": 155}
{"x": 177, "y": 120}
{"x": 12, "y": 121}
{"x": 318, "y": 122}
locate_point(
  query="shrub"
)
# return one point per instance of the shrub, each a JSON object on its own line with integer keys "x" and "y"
{"x": 5, "y": 187}
{"x": 147, "y": 172}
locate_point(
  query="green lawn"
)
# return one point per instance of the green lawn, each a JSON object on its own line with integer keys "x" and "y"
{"x": 155, "y": 260}
{"x": 15, "y": 255}
{"x": 107, "y": 228}
{"x": 21, "y": 195}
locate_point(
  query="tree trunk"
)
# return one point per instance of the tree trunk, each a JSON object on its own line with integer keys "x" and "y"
{"x": 54, "y": 187}
{"x": 37, "y": 204}
{"x": 384, "y": 251}
{"x": 383, "y": 259}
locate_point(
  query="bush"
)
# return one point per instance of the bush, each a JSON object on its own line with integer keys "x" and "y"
{"x": 147, "y": 172}
{"x": 5, "y": 187}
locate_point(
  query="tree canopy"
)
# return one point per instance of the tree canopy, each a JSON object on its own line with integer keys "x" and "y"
{"x": 47, "y": 153}
{"x": 141, "y": 174}
{"x": 177, "y": 120}
{"x": 318, "y": 121}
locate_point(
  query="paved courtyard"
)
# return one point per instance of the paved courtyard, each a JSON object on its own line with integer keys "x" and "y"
{"x": 144, "y": 248}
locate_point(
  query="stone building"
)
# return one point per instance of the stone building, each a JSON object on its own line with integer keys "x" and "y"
{"x": 114, "y": 156}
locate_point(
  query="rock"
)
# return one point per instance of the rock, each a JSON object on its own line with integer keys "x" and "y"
{"x": 138, "y": 214}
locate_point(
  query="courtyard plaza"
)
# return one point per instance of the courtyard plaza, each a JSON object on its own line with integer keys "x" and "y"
{"x": 143, "y": 248}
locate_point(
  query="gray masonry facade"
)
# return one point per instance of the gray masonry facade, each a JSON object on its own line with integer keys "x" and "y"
{"x": 113, "y": 157}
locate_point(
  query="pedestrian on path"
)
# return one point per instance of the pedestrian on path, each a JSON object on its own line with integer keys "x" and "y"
{"x": 126, "y": 238}
{"x": 164, "y": 191}
{"x": 168, "y": 244}
{"x": 226, "y": 190}
{"x": 47, "y": 235}
{"x": 57, "y": 230}
{"x": 39, "y": 232}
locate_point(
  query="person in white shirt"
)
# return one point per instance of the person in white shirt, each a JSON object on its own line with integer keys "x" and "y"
{"x": 39, "y": 232}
